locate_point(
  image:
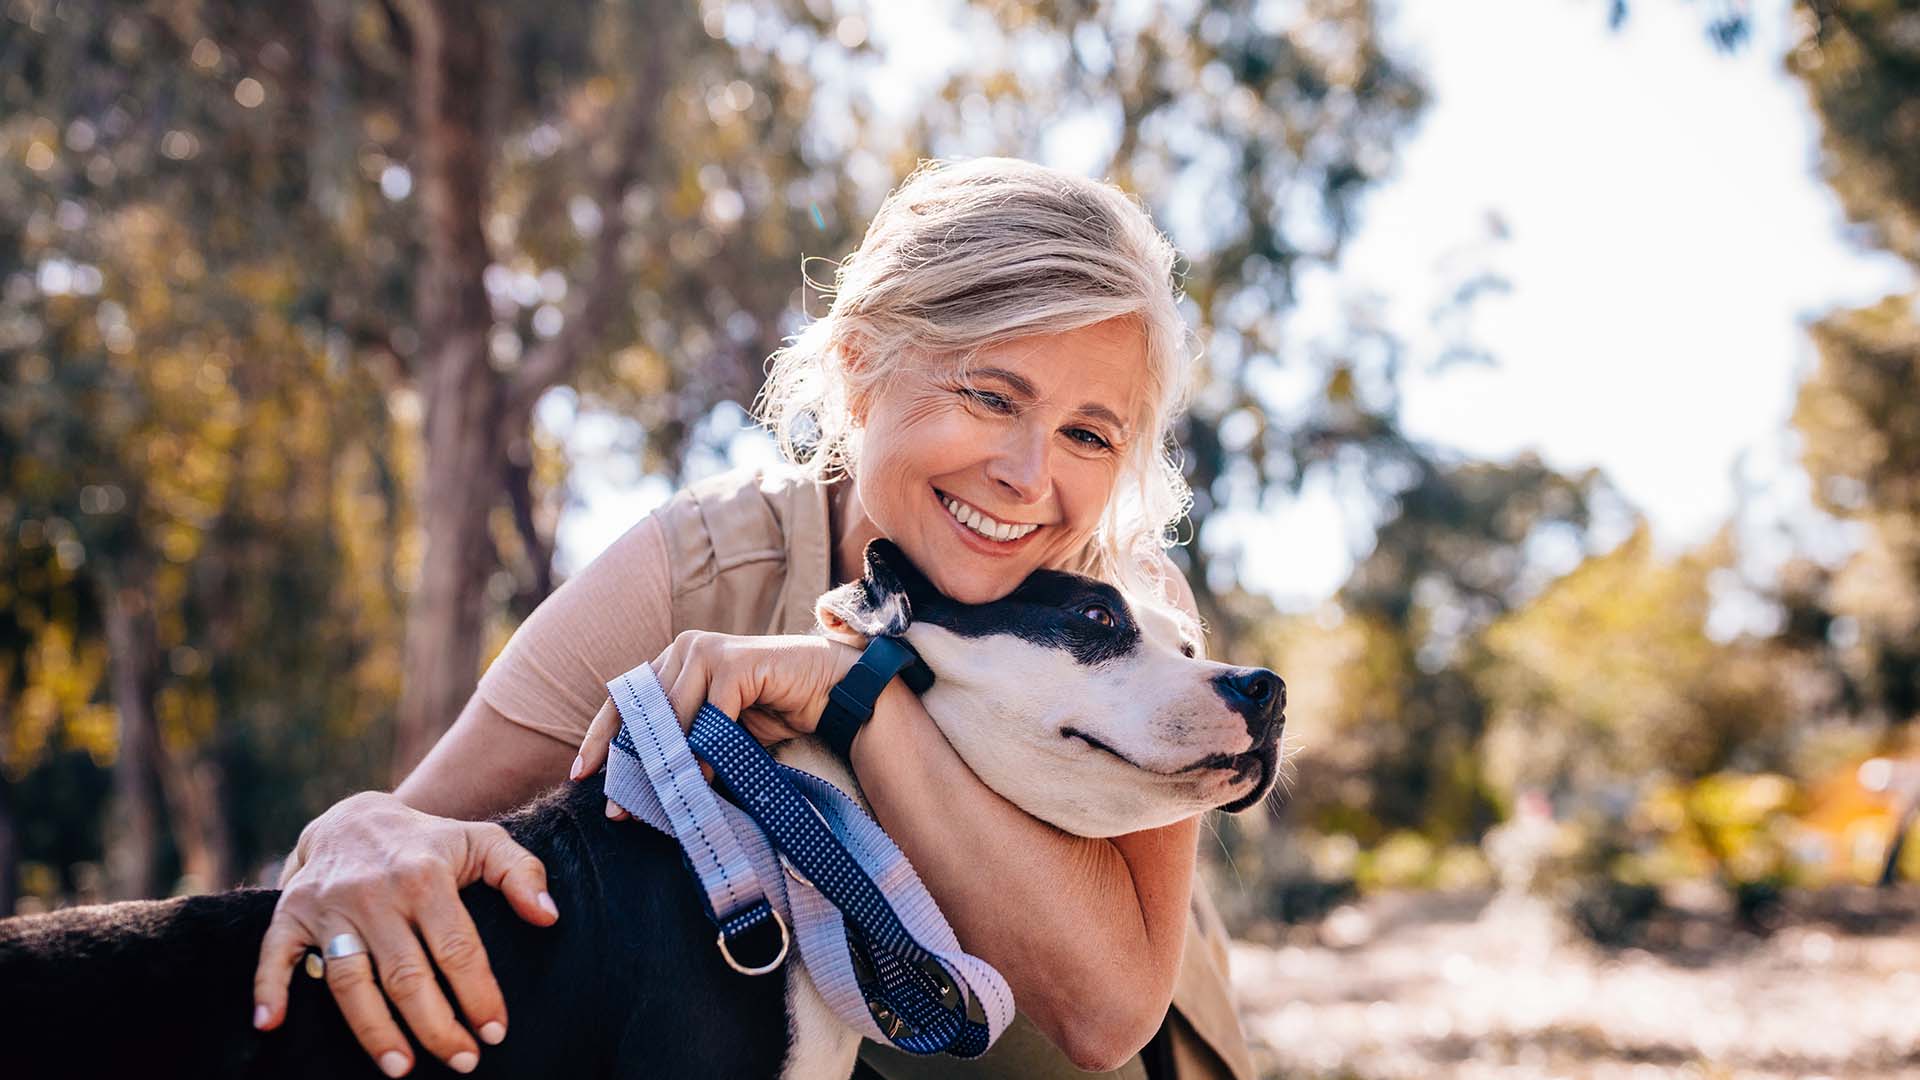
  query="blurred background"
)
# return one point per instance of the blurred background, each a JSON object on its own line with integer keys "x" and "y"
{"x": 1560, "y": 445}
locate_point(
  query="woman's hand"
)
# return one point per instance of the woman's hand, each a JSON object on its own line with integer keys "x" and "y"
{"x": 374, "y": 867}
{"x": 775, "y": 686}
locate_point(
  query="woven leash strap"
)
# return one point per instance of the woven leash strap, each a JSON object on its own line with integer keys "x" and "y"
{"x": 798, "y": 851}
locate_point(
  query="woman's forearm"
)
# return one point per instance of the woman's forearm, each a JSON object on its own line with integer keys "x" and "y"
{"x": 1088, "y": 932}
{"x": 484, "y": 765}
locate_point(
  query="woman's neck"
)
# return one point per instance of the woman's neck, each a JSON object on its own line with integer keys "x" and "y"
{"x": 850, "y": 528}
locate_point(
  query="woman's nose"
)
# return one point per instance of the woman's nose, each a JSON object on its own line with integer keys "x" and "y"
{"x": 1020, "y": 466}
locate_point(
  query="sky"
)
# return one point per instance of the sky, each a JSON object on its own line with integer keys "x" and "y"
{"x": 1666, "y": 239}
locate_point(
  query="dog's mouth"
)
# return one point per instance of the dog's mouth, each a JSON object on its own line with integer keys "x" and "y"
{"x": 1257, "y": 764}
{"x": 1260, "y": 763}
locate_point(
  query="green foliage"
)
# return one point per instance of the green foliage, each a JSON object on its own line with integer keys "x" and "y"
{"x": 213, "y": 404}
{"x": 216, "y": 397}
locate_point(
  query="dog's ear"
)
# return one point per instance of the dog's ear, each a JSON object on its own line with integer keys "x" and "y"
{"x": 878, "y": 605}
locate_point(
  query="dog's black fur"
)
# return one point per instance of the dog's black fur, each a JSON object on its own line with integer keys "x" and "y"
{"x": 627, "y": 983}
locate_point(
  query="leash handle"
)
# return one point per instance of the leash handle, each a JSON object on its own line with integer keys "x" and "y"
{"x": 871, "y": 937}
{"x": 926, "y": 982}
{"x": 661, "y": 783}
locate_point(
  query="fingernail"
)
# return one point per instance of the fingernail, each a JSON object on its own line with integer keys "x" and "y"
{"x": 547, "y": 905}
{"x": 613, "y": 808}
{"x": 393, "y": 1063}
{"x": 574, "y": 773}
{"x": 463, "y": 1062}
{"x": 493, "y": 1031}
{"x": 261, "y": 1014}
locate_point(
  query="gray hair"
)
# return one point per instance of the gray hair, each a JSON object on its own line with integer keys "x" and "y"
{"x": 968, "y": 254}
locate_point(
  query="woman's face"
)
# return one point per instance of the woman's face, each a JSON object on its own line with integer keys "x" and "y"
{"x": 983, "y": 481}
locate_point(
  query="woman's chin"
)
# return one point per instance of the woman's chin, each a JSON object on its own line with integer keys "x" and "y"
{"x": 979, "y": 588}
{"x": 973, "y": 590}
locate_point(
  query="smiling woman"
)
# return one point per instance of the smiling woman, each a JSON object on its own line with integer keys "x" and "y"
{"x": 1017, "y": 290}
{"x": 992, "y": 390}
{"x": 1019, "y": 451}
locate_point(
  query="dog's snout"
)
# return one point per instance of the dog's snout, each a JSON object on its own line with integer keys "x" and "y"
{"x": 1257, "y": 694}
{"x": 1258, "y": 686}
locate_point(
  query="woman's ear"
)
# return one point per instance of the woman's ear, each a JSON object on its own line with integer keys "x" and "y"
{"x": 853, "y": 358}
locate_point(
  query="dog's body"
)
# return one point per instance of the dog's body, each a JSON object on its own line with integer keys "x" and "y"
{"x": 1087, "y": 712}
{"x": 628, "y": 983}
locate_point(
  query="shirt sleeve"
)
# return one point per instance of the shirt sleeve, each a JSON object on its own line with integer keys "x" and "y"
{"x": 614, "y": 613}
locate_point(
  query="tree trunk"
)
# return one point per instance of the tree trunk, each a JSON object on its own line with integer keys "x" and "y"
{"x": 463, "y": 395}
{"x": 133, "y": 832}
{"x": 196, "y": 805}
{"x": 9, "y": 849}
{"x": 474, "y": 414}
{"x": 534, "y": 542}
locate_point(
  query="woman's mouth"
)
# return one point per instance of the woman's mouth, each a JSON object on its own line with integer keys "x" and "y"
{"x": 978, "y": 526}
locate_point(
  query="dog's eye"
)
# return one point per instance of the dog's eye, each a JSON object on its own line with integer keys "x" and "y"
{"x": 1187, "y": 650}
{"x": 1098, "y": 613}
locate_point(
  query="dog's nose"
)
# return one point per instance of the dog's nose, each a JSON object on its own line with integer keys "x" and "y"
{"x": 1257, "y": 694}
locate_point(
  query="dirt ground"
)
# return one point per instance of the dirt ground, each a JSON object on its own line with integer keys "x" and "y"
{"x": 1478, "y": 987}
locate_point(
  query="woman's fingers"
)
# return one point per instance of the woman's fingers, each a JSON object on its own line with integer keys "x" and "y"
{"x": 285, "y": 943}
{"x": 355, "y": 990}
{"x": 407, "y": 977}
{"x": 455, "y": 944}
{"x": 492, "y": 856}
{"x": 290, "y": 867}
{"x": 692, "y": 687}
{"x": 666, "y": 667}
{"x": 593, "y": 749}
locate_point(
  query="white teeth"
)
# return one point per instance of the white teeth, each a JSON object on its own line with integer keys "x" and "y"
{"x": 984, "y": 525}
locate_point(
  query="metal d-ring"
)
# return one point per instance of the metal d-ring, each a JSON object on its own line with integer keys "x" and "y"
{"x": 785, "y": 940}
{"x": 795, "y": 874}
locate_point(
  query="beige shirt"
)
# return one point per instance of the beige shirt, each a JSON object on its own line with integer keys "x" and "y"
{"x": 748, "y": 552}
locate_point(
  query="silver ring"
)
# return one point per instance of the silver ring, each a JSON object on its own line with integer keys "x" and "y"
{"x": 341, "y": 946}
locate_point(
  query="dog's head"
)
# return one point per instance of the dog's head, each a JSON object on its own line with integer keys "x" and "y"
{"x": 1088, "y": 711}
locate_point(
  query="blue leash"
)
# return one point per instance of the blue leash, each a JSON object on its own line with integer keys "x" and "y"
{"x": 868, "y": 933}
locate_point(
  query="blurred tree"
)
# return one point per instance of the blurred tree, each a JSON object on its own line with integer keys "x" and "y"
{"x": 294, "y": 279}
{"x": 54, "y": 661}
{"x": 1399, "y": 744}
{"x": 1252, "y": 133}
{"x": 1610, "y": 679}
{"x": 222, "y": 369}
{"x": 1858, "y": 414}
{"x": 169, "y": 428}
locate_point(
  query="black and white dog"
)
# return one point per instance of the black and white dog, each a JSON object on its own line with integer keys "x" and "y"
{"x": 1090, "y": 712}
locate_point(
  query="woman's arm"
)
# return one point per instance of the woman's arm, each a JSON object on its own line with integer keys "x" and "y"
{"x": 484, "y": 765}
{"x": 1087, "y": 932}
{"x": 389, "y": 867}
{"x": 518, "y": 732}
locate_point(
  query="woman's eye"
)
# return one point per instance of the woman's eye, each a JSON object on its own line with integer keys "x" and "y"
{"x": 1088, "y": 439}
{"x": 1098, "y": 613}
{"x": 999, "y": 403}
